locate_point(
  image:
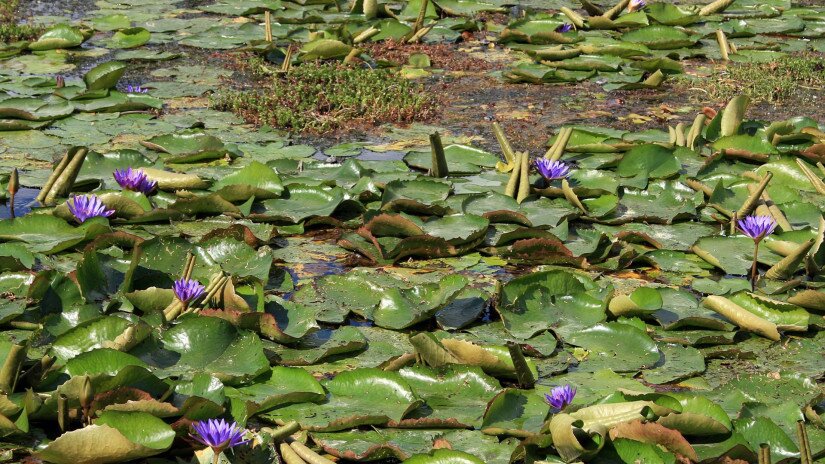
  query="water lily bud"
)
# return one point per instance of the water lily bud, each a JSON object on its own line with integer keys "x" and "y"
{"x": 87, "y": 393}
{"x": 60, "y": 82}
{"x": 14, "y": 182}
{"x": 31, "y": 401}
{"x": 62, "y": 412}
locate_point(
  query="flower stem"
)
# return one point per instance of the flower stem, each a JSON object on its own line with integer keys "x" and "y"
{"x": 753, "y": 267}
{"x": 216, "y": 457}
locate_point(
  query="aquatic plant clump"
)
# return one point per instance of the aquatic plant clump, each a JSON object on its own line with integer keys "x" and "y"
{"x": 317, "y": 97}
{"x": 10, "y": 30}
{"x": 775, "y": 80}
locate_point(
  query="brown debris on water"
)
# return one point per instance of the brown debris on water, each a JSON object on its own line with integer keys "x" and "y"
{"x": 449, "y": 57}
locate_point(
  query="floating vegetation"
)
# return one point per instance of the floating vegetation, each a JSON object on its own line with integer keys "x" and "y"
{"x": 318, "y": 97}
{"x": 771, "y": 81}
{"x": 10, "y": 30}
{"x": 178, "y": 284}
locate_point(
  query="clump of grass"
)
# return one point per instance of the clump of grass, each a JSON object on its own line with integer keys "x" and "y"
{"x": 773, "y": 81}
{"x": 318, "y": 97}
{"x": 10, "y": 31}
{"x": 7, "y": 10}
{"x": 16, "y": 32}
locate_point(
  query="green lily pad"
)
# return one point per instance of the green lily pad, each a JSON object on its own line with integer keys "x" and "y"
{"x": 127, "y": 435}
{"x": 129, "y": 38}
{"x": 60, "y": 36}
{"x": 351, "y": 402}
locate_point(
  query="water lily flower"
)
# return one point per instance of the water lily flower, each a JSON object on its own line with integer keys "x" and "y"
{"x": 136, "y": 89}
{"x": 552, "y": 170}
{"x": 756, "y": 227}
{"x": 135, "y": 180}
{"x": 187, "y": 290}
{"x": 636, "y": 5}
{"x": 84, "y": 207}
{"x": 560, "y": 397}
{"x": 219, "y": 435}
{"x": 564, "y": 28}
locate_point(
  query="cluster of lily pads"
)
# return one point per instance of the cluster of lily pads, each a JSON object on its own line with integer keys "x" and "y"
{"x": 187, "y": 285}
{"x": 627, "y": 45}
{"x": 159, "y": 287}
{"x": 54, "y": 98}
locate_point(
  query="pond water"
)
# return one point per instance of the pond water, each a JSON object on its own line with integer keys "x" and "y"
{"x": 396, "y": 310}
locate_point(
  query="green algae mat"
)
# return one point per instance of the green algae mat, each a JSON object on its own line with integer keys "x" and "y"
{"x": 178, "y": 286}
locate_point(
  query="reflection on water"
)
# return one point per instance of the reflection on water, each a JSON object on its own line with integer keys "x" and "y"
{"x": 22, "y": 203}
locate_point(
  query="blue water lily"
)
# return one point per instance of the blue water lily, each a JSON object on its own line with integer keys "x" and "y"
{"x": 552, "y": 170}
{"x": 135, "y": 180}
{"x": 85, "y": 207}
{"x": 559, "y": 397}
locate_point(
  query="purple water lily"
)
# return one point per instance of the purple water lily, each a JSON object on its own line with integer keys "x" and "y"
{"x": 136, "y": 89}
{"x": 756, "y": 227}
{"x": 219, "y": 435}
{"x": 564, "y": 28}
{"x": 85, "y": 207}
{"x": 636, "y": 5}
{"x": 135, "y": 180}
{"x": 559, "y": 397}
{"x": 552, "y": 170}
{"x": 187, "y": 290}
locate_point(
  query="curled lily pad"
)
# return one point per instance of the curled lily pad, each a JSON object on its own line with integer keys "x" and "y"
{"x": 324, "y": 49}
{"x": 129, "y": 38}
{"x": 104, "y": 75}
{"x": 443, "y": 456}
{"x": 60, "y": 36}
{"x": 127, "y": 436}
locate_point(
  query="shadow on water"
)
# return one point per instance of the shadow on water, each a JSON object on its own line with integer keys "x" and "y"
{"x": 23, "y": 202}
